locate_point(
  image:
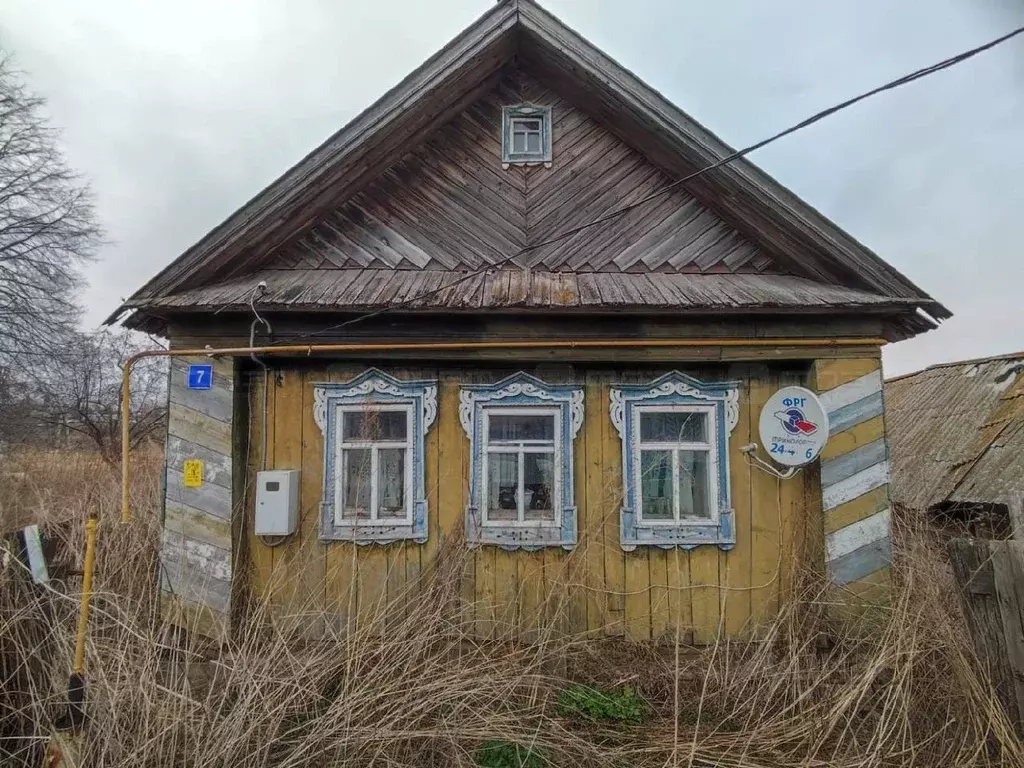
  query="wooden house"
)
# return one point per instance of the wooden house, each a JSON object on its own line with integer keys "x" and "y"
{"x": 504, "y": 319}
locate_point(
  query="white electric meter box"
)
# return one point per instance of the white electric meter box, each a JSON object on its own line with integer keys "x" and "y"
{"x": 277, "y": 502}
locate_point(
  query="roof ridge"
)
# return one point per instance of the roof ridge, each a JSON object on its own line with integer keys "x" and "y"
{"x": 951, "y": 363}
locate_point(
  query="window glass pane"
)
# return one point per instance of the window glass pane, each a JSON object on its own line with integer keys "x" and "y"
{"x": 673, "y": 427}
{"x": 508, "y": 427}
{"x": 533, "y": 143}
{"x": 502, "y": 486}
{"x": 519, "y": 143}
{"x": 539, "y": 481}
{"x": 373, "y": 424}
{"x": 391, "y": 482}
{"x": 355, "y": 477}
{"x": 527, "y": 124}
{"x": 656, "y": 485}
{"x": 694, "y": 491}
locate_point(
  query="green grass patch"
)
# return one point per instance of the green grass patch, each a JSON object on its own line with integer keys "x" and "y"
{"x": 623, "y": 704}
{"x": 503, "y": 754}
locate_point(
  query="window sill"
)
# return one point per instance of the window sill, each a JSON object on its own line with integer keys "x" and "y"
{"x": 363, "y": 532}
{"x": 684, "y": 535}
{"x": 506, "y": 164}
{"x": 527, "y": 536}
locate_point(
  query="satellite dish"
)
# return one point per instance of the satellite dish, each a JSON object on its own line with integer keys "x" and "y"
{"x": 793, "y": 426}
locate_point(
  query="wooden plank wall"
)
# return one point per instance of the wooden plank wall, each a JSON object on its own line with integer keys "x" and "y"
{"x": 649, "y": 593}
{"x": 449, "y": 204}
{"x": 855, "y": 477}
{"x": 196, "y": 543}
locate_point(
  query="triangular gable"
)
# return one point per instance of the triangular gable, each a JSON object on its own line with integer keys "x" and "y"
{"x": 449, "y": 204}
{"x": 749, "y": 201}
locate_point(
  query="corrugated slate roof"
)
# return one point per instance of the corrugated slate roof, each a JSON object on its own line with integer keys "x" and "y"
{"x": 956, "y": 432}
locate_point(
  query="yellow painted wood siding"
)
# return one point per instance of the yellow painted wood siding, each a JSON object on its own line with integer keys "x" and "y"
{"x": 650, "y": 593}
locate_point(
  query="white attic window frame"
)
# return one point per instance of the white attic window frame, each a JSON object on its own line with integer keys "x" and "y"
{"x": 526, "y": 121}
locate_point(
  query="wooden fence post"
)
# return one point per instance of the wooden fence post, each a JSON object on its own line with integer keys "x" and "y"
{"x": 990, "y": 577}
{"x": 1015, "y": 510}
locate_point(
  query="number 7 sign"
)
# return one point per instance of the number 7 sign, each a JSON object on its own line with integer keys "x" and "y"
{"x": 200, "y": 376}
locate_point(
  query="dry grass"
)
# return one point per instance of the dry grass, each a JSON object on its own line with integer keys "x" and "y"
{"x": 419, "y": 691}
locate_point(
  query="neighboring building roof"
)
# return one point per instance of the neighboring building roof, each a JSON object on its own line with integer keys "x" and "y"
{"x": 753, "y": 221}
{"x": 956, "y": 432}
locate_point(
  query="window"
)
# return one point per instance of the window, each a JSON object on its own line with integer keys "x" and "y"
{"x": 376, "y": 462}
{"x": 675, "y": 434}
{"x": 675, "y": 470}
{"x": 521, "y": 432}
{"x": 374, "y": 428}
{"x": 526, "y": 135}
{"x": 519, "y": 466}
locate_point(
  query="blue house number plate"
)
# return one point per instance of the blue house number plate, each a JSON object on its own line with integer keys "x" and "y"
{"x": 200, "y": 376}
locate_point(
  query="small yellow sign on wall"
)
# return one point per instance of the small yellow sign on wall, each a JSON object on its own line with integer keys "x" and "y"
{"x": 193, "y": 473}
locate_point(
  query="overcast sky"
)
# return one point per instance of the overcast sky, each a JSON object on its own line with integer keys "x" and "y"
{"x": 178, "y": 112}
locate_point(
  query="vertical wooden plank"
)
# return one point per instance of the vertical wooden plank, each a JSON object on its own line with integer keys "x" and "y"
{"x": 593, "y": 512}
{"x": 565, "y": 573}
{"x": 484, "y": 599}
{"x": 1008, "y": 569}
{"x": 736, "y": 572}
{"x": 972, "y": 565}
{"x": 451, "y": 473}
{"x": 313, "y": 554}
{"x": 706, "y": 594}
{"x": 610, "y": 506}
{"x": 680, "y": 596}
{"x": 419, "y": 556}
{"x": 531, "y": 578}
{"x": 638, "y": 593}
{"x": 507, "y": 588}
{"x": 372, "y": 578}
{"x": 564, "y": 605}
{"x": 661, "y": 618}
{"x": 262, "y": 556}
{"x": 396, "y": 580}
{"x": 288, "y": 424}
{"x": 342, "y": 560}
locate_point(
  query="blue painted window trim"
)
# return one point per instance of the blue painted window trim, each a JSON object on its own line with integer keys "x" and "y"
{"x": 522, "y": 390}
{"x": 675, "y": 389}
{"x": 508, "y": 157}
{"x": 374, "y": 387}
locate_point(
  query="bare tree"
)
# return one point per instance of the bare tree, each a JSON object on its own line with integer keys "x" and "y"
{"x": 48, "y": 227}
{"x": 76, "y": 395}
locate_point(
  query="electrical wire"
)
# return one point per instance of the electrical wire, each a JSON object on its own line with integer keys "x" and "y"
{"x": 728, "y": 159}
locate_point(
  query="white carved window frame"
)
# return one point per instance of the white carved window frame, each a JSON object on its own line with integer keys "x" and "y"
{"x": 676, "y": 391}
{"x": 522, "y": 393}
{"x": 375, "y": 389}
{"x": 510, "y": 116}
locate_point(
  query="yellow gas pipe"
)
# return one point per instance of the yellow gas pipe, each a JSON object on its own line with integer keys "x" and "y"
{"x": 83, "y": 611}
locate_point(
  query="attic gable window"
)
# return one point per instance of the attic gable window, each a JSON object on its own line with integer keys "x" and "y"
{"x": 526, "y": 135}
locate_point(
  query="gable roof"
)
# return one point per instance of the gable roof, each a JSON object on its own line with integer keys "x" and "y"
{"x": 519, "y": 31}
{"x": 956, "y": 432}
